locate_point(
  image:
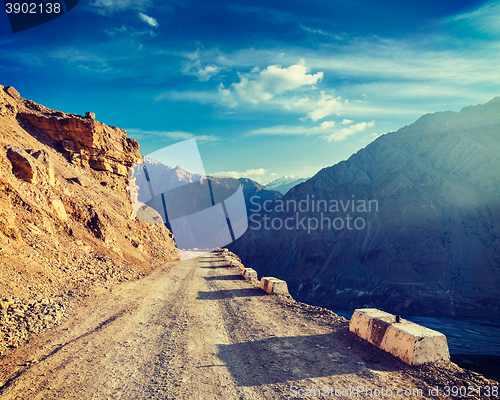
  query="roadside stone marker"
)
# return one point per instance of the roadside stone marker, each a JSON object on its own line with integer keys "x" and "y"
{"x": 410, "y": 342}
{"x": 273, "y": 285}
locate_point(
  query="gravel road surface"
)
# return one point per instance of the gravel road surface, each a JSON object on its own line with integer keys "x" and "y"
{"x": 195, "y": 329}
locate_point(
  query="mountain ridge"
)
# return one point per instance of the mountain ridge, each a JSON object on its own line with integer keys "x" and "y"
{"x": 439, "y": 214}
{"x": 284, "y": 183}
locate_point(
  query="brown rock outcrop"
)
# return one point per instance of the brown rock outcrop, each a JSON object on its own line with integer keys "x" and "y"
{"x": 22, "y": 167}
{"x": 83, "y": 140}
{"x": 88, "y": 142}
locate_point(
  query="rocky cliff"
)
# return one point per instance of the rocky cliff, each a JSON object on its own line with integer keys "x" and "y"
{"x": 66, "y": 221}
{"x": 429, "y": 241}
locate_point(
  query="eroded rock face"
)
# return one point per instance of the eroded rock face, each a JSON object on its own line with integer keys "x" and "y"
{"x": 84, "y": 140}
{"x": 22, "y": 166}
{"x": 70, "y": 230}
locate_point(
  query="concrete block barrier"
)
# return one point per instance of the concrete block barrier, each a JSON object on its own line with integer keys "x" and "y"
{"x": 249, "y": 274}
{"x": 411, "y": 343}
{"x": 273, "y": 285}
{"x": 235, "y": 263}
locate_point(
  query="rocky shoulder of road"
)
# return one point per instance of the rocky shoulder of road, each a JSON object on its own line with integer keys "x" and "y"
{"x": 438, "y": 374}
{"x": 67, "y": 225}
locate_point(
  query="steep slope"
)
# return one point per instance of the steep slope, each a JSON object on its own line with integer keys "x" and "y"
{"x": 429, "y": 244}
{"x": 66, "y": 220}
{"x": 284, "y": 184}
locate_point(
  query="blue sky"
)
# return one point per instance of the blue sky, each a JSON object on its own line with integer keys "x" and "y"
{"x": 268, "y": 88}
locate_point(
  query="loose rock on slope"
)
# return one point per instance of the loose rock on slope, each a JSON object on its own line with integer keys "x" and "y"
{"x": 67, "y": 226}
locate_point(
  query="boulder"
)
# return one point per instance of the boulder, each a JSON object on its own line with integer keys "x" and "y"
{"x": 12, "y": 92}
{"x": 44, "y": 157}
{"x": 22, "y": 166}
{"x": 58, "y": 209}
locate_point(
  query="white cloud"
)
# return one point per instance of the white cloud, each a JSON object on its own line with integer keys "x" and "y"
{"x": 274, "y": 80}
{"x": 201, "y": 69}
{"x": 260, "y": 86}
{"x": 330, "y": 35}
{"x": 372, "y": 137}
{"x": 245, "y": 174}
{"x": 344, "y": 132}
{"x": 148, "y": 20}
{"x": 486, "y": 19}
{"x": 284, "y": 130}
{"x": 204, "y": 74}
{"x": 301, "y": 104}
{"x": 429, "y": 71}
{"x": 170, "y": 135}
{"x": 323, "y": 131}
{"x": 197, "y": 96}
{"x": 327, "y": 125}
{"x": 346, "y": 121}
{"x": 226, "y": 97}
{"x": 324, "y": 107}
{"x": 125, "y": 29}
{"x": 105, "y": 7}
{"x": 85, "y": 59}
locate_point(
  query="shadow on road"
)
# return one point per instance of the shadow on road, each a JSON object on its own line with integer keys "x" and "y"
{"x": 207, "y": 265}
{"x": 283, "y": 359}
{"x": 224, "y": 278}
{"x": 228, "y": 294}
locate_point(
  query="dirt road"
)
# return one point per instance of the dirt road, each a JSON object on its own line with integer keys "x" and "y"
{"x": 196, "y": 330}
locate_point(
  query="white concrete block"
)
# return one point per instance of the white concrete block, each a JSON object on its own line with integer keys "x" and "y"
{"x": 273, "y": 285}
{"x": 249, "y": 274}
{"x": 411, "y": 343}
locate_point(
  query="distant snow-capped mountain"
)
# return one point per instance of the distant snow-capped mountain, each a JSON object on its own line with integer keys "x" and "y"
{"x": 285, "y": 183}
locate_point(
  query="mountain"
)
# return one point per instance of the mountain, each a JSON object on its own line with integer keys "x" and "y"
{"x": 258, "y": 192}
{"x": 190, "y": 204}
{"x": 409, "y": 224}
{"x": 66, "y": 221}
{"x": 284, "y": 184}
